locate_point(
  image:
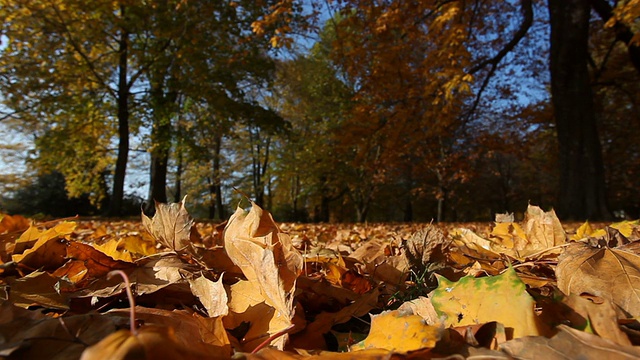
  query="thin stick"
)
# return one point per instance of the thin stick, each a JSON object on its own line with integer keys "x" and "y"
{"x": 132, "y": 302}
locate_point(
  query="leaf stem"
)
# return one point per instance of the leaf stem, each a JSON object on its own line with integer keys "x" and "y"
{"x": 273, "y": 337}
{"x": 132, "y": 302}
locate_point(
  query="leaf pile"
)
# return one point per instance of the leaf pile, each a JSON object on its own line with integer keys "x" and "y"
{"x": 258, "y": 290}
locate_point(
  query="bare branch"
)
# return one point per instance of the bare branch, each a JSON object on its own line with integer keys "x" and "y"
{"x": 526, "y": 8}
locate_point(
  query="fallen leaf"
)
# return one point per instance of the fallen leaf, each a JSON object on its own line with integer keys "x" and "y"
{"x": 267, "y": 258}
{"x": 150, "y": 342}
{"x": 212, "y": 295}
{"x": 171, "y": 225}
{"x": 422, "y": 307}
{"x": 400, "y": 333}
{"x": 502, "y": 298}
{"x": 13, "y": 223}
{"x": 609, "y": 273}
{"x": 311, "y": 337}
{"x": 49, "y": 249}
{"x": 39, "y": 289}
{"x": 87, "y": 263}
{"x": 248, "y": 305}
{"x": 31, "y": 335}
{"x": 602, "y": 318}
{"x": 426, "y": 246}
{"x": 112, "y": 249}
{"x": 568, "y": 344}
{"x": 540, "y": 235}
{"x": 191, "y": 330}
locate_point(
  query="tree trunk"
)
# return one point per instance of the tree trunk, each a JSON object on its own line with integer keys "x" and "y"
{"x": 177, "y": 196}
{"x": 408, "y": 210}
{"x": 216, "y": 184}
{"x": 158, "y": 176}
{"x": 582, "y": 186}
{"x": 115, "y": 205}
{"x": 161, "y": 144}
{"x": 442, "y": 201}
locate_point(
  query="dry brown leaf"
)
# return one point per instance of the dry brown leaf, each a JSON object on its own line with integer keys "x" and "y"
{"x": 37, "y": 288}
{"x": 374, "y": 254}
{"x": 267, "y": 259}
{"x": 568, "y": 344}
{"x": 204, "y": 335}
{"x": 151, "y": 342}
{"x": 86, "y": 263}
{"x": 426, "y": 246}
{"x": 212, "y": 295}
{"x": 272, "y": 354}
{"x": 248, "y": 305}
{"x": 539, "y": 235}
{"x": 171, "y": 225}
{"x": 153, "y": 275}
{"x": 602, "y": 318}
{"x": 612, "y": 274}
{"x": 31, "y": 335}
{"x": 311, "y": 337}
{"x": 13, "y": 223}
{"x": 422, "y": 307}
{"x": 48, "y": 251}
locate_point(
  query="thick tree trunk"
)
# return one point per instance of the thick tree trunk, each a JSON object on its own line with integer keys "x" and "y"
{"x": 582, "y": 185}
{"x": 158, "y": 176}
{"x": 115, "y": 205}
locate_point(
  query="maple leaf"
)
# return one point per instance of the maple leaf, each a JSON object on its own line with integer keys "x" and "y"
{"x": 568, "y": 344}
{"x": 609, "y": 273}
{"x": 393, "y": 330}
{"x": 501, "y": 298}
{"x": 171, "y": 225}
{"x": 267, "y": 259}
{"x": 540, "y": 235}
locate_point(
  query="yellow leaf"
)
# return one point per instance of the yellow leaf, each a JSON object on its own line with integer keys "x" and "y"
{"x": 392, "y": 330}
{"x": 502, "y": 298}
{"x": 585, "y": 230}
{"x": 110, "y": 248}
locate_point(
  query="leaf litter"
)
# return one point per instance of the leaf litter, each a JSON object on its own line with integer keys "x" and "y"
{"x": 255, "y": 289}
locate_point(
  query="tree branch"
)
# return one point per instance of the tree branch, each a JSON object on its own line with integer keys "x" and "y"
{"x": 623, "y": 32}
{"x": 527, "y": 20}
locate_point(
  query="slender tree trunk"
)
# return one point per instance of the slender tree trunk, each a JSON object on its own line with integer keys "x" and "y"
{"x": 260, "y": 162}
{"x": 408, "y": 210}
{"x": 117, "y": 195}
{"x": 442, "y": 201}
{"x": 177, "y": 196}
{"x": 582, "y": 185}
{"x": 216, "y": 185}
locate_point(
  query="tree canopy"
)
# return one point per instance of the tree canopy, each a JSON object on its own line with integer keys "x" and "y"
{"x": 348, "y": 110}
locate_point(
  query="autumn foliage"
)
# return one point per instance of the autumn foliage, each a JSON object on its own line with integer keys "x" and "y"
{"x": 254, "y": 289}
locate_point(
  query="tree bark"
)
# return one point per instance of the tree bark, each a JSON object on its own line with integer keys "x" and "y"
{"x": 582, "y": 185}
{"x": 215, "y": 187}
{"x": 117, "y": 195}
{"x": 161, "y": 144}
{"x": 177, "y": 196}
